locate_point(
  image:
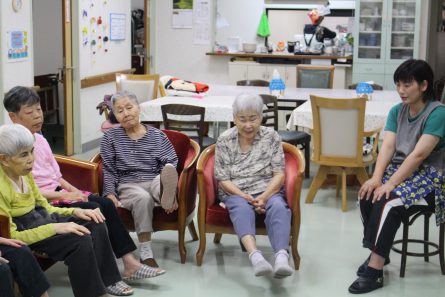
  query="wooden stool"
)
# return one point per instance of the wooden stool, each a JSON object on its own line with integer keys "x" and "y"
{"x": 438, "y": 249}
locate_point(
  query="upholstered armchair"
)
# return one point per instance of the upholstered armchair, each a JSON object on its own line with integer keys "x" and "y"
{"x": 187, "y": 151}
{"x": 212, "y": 218}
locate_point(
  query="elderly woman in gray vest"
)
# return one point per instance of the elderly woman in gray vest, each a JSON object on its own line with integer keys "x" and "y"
{"x": 408, "y": 173}
{"x": 249, "y": 168}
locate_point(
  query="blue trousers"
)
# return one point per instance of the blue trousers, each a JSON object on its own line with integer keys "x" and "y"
{"x": 23, "y": 269}
{"x": 278, "y": 219}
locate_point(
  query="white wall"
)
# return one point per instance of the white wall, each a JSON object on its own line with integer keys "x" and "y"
{"x": 175, "y": 54}
{"x": 17, "y": 73}
{"x": 118, "y": 57}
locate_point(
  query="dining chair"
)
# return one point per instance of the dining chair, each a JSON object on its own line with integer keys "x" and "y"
{"x": 311, "y": 76}
{"x": 375, "y": 87}
{"x": 187, "y": 118}
{"x": 253, "y": 83}
{"x": 296, "y": 138}
{"x": 187, "y": 151}
{"x": 338, "y": 136}
{"x": 144, "y": 86}
{"x": 213, "y": 218}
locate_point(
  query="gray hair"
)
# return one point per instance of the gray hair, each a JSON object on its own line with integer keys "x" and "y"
{"x": 248, "y": 102}
{"x": 123, "y": 94}
{"x": 14, "y": 138}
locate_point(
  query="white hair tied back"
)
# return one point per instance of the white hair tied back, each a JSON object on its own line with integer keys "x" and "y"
{"x": 14, "y": 138}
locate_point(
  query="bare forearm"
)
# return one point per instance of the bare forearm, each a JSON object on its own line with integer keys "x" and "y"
{"x": 383, "y": 160}
{"x": 274, "y": 186}
{"x": 64, "y": 184}
{"x": 411, "y": 163}
{"x": 52, "y": 195}
{"x": 230, "y": 188}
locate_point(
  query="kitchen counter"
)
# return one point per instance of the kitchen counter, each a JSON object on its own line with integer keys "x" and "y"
{"x": 280, "y": 55}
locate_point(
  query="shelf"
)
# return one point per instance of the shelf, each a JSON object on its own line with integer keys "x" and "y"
{"x": 402, "y": 48}
{"x": 370, "y": 32}
{"x": 371, "y": 16}
{"x": 369, "y": 47}
{"x": 403, "y": 16}
{"x": 402, "y": 32}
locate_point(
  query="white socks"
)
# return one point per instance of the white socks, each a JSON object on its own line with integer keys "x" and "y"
{"x": 281, "y": 267}
{"x": 145, "y": 250}
{"x": 260, "y": 265}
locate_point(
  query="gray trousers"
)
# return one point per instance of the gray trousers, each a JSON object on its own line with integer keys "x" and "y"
{"x": 278, "y": 219}
{"x": 141, "y": 198}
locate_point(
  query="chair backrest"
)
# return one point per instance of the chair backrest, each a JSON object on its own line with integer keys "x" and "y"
{"x": 294, "y": 171}
{"x": 375, "y": 87}
{"x": 4, "y": 227}
{"x": 270, "y": 111}
{"x": 338, "y": 130}
{"x": 144, "y": 86}
{"x": 310, "y": 76}
{"x": 182, "y": 117}
{"x": 253, "y": 83}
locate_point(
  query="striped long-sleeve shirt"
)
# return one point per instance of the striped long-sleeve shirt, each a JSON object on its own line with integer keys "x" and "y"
{"x": 127, "y": 161}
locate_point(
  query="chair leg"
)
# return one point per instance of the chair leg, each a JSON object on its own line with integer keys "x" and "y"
{"x": 441, "y": 247}
{"x": 362, "y": 175}
{"x": 426, "y": 235}
{"x": 181, "y": 245}
{"x": 202, "y": 245}
{"x": 316, "y": 183}
{"x": 344, "y": 205}
{"x": 404, "y": 248}
{"x": 337, "y": 186}
{"x": 192, "y": 231}
{"x": 307, "y": 159}
{"x": 217, "y": 238}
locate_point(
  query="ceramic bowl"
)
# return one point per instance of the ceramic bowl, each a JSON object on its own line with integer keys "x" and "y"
{"x": 249, "y": 47}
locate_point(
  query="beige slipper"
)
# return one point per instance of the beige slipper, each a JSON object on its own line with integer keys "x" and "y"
{"x": 169, "y": 183}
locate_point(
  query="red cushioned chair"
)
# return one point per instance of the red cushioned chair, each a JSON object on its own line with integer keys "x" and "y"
{"x": 212, "y": 218}
{"x": 81, "y": 174}
{"x": 187, "y": 151}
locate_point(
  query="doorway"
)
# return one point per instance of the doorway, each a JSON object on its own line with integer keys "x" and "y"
{"x": 140, "y": 40}
{"x": 52, "y": 71}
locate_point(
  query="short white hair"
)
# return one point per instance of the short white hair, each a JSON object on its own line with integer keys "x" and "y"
{"x": 14, "y": 138}
{"x": 248, "y": 102}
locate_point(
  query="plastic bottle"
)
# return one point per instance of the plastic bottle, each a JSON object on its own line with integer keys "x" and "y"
{"x": 276, "y": 85}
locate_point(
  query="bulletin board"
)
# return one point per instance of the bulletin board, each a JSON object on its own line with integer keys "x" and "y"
{"x": 105, "y": 38}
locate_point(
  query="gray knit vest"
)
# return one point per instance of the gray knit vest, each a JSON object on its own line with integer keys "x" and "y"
{"x": 408, "y": 133}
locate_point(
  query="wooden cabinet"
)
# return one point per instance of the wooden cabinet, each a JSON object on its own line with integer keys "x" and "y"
{"x": 386, "y": 34}
{"x": 253, "y": 70}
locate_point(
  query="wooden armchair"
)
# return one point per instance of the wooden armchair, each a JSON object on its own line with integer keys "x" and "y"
{"x": 338, "y": 136}
{"x": 187, "y": 151}
{"x": 144, "y": 86}
{"x": 212, "y": 218}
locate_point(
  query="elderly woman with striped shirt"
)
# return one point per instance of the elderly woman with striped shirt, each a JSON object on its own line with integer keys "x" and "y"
{"x": 139, "y": 169}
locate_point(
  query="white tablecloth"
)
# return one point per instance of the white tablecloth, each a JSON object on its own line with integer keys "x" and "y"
{"x": 217, "y": 108}
{"x": 375, "y": 115}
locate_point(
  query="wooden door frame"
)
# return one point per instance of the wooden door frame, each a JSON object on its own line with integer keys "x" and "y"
{"x": 147, "y": 36}
{"x": 68, "y": 76}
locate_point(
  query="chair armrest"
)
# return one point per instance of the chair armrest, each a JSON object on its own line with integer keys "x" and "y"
{"x": 81, "y": 174}
{"x": 192, "y": 156}
{"x": 376, "y": 135}
{"x": 4, "y": 227}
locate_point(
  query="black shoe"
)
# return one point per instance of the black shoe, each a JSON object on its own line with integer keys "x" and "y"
{"x": 362, "y": 268}
{"x": 365, "y": 285}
